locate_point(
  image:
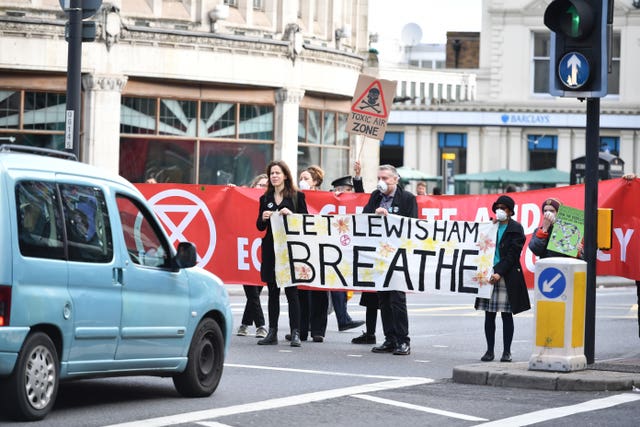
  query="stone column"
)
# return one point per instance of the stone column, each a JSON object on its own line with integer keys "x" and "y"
{"x": 566, "y": 151}
{"x": 101, "y": 120}
{"x": 474, "y": 150}
{"x": 287, "y": 113}
{"x": 629, "y": 151}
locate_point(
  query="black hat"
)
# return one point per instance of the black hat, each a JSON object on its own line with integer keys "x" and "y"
{"x": 504, "y": 200}
{"x": 345, "y": 180}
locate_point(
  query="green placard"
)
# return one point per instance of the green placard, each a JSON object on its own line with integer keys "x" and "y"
{"x": 568, "y": 231}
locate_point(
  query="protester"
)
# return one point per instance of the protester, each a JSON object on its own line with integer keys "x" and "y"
{"x": 314, "y": 304}
{"x": 339, "y": 299}
{"x": 281, "y": 198}
{"x": 252, "y": 308}
{"x": 421, "y": 188}
{"x": 436, "y": 191}
{"x": 509, "y": 295}
{"x": 390, "y": 198}
{"x": 540, "y": 239}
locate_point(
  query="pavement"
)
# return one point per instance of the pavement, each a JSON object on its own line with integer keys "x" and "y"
{"x": 613, "y": 375}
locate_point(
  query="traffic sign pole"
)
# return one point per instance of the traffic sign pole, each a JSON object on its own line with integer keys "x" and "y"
{"x": 591, "y": 221}
{"x": 74, "y": 65}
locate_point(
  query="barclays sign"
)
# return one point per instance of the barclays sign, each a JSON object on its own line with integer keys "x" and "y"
{"x": 525, "y": 119}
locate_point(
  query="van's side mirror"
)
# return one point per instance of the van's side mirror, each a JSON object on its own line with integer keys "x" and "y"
{"x": 186, "y": 256}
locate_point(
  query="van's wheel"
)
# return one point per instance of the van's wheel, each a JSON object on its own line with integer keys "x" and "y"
{"x": 33, "y": 385}
{"x": 206, "y": 360}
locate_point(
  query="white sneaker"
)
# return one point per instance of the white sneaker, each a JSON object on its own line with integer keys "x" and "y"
{"x": 261, "y": 332}
{"x": 243, "y": 331}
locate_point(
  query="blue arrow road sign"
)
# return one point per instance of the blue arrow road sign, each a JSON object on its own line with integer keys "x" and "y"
{"x": 552, "y": 283}
{"x": 573, "y": 70}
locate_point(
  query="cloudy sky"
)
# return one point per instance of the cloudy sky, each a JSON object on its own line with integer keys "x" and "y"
{"x": 434, "y": 17}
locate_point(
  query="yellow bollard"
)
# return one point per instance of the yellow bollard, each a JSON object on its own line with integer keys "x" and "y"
{"x": 560, "y": 298}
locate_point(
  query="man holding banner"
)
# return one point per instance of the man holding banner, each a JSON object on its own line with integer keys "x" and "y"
{"x": 389, "y": 198}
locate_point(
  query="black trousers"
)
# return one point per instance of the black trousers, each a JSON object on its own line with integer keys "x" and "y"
{"x": 252, "y": 308}
{"x": 314, "y": 306}
{"x": 395, "y": 320}
{"x": 274, "y": 306}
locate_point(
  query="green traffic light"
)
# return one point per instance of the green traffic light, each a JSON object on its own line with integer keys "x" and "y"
{"x": 575, "y": 21}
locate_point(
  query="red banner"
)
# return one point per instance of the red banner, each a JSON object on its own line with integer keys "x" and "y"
{"x": 221, "y": 221}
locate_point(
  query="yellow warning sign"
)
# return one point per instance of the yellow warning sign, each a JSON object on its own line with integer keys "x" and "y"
{"x": 371, "y": 107}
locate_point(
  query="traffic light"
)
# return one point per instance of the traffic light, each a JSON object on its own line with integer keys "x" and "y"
{"x": 579, "y": 50}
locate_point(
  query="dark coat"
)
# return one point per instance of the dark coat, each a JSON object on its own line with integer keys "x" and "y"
{"x": 358, "y": 186}
{"x": 510, "y": 248}
{"x": 268, "y": 203}
{"x": 403, "y": 204}
{"x": 538, "y": 246}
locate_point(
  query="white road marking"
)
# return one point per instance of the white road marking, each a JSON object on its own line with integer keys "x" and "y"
{"x": 309, "y": 371}
{"x": 212, "y": 424}
{"x": 274, "y": 403}
{"x": 563, "y": 411}
{"x": 419, "y": 408}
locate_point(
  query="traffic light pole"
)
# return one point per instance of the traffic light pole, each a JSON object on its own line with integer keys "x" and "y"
{"x": 74, "y": 58}
{"x": 590, "y": 221}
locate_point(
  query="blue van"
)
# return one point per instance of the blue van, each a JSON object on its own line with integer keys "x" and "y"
{"x": 90, "y": 286}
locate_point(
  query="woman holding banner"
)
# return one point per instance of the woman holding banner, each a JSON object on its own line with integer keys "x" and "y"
{"x": 281, "y": 198}
{"x": 314, "y": 304}
{"x": 509, "y": 294}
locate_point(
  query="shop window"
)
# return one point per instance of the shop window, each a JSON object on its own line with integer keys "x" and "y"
{"x": 9, "y": 109}
{"x": 542, "y": 151}
{"x": 610, "y": 144}
{"x": 455, "y": 143}
{"x": 203, "y": 142}
{"x": 33, "y": 118}
{"x": 323, "y": 140}
{"x": 392, "y": 149}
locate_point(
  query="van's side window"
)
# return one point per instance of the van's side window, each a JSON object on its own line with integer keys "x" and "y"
{"x": 144, "y": 242}
{"x": 40, "y": 230}
{"x": 87, "y": 221}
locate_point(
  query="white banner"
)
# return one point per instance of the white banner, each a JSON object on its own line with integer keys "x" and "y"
{"x": 377, "y": 253}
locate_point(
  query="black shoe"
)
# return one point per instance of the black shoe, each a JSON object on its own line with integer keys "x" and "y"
{"x": 287, "y": 337}
{"x": 295, "y": 338}
{"x": 402, "y": 349}
{"x": 271, "y": 338}
{"x": 385, "y": 347}
{"x": 506, "y": 357}
{"x": 350, "y": 325}
{"x": 487, "y": 357}
{"x": 318, "y": 338}
{"x": 365, "y": 338}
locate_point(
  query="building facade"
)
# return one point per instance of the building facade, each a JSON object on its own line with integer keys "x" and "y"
{"x": 189, "y": 91}
{"x": 511, "y": 122}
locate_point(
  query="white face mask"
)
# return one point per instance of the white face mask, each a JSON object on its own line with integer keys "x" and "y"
{"x": 304, "y": 185}
{"x": 501, "y": 215}
{"x": 382, "y": 186}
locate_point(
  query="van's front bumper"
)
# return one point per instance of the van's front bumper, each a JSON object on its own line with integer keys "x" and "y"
{"x": 11, "y": 340}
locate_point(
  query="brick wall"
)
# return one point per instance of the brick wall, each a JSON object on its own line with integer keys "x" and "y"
{"x": 468, "y": 44}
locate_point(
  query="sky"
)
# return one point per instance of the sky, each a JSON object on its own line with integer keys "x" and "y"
{"x": 435, "y": 17}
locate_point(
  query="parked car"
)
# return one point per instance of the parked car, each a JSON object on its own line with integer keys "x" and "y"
{"x": 90, "y": 286}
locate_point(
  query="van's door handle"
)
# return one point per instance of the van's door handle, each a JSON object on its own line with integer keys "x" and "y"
{"x": 117, "y": 276}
